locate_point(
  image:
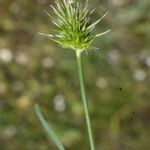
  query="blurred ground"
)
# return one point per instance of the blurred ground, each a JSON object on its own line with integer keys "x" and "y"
{"x": 34, "y": 69}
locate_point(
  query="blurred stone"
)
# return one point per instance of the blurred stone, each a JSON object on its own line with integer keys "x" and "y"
{"x": 6, "y": 55}
{"x": 23, "y": 102}
{"x": 102, "y": 83}
{"x": 147, "y": 61}
{"x": 9, "y": 132}
{"x": 59, "y": 103}
{"x": 48, "y": 62}
{"x": 22, "y": 59}
{"x": 139, "y": 75}
{"x": 113, "y": 57}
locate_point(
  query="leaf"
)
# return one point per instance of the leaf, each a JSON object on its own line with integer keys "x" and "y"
{"x": 49, "y": 130}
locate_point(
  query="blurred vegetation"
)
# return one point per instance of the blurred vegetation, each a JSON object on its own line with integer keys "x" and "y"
{"x": 33, "y": 69}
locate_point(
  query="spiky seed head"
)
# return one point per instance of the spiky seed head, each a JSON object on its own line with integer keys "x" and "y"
{"x": 74, "y": 25}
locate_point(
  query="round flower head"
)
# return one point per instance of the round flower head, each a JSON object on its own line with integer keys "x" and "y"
{"x": 74, "y": 25}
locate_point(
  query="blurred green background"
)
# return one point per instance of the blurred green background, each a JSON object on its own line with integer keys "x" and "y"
{"x": 34, "y": 69}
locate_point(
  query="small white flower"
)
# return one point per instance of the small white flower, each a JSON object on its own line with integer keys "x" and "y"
{"x": 6, "y": 55}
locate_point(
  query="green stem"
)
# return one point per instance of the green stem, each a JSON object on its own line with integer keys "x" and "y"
{"x": 84, "y": 100}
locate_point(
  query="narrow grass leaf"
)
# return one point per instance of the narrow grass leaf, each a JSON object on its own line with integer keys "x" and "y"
{"x": 49, "y": 130}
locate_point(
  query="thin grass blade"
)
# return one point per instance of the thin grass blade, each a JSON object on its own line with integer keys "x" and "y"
{"x": 49, "y": 130}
